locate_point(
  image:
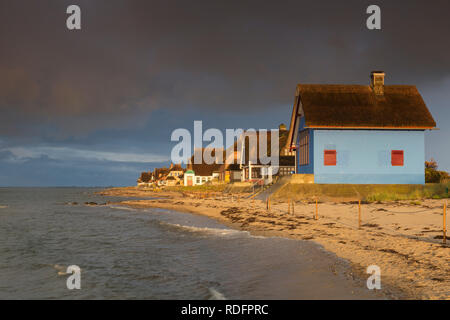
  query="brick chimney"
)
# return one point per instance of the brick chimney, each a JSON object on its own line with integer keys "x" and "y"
{"x": 377, "y": 82}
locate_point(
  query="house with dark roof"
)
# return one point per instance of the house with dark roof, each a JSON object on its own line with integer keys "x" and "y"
{"x": 253, "y": 171}
{"x": 175, "y": 175}
{"x": 360, "y": 134}
{"x": 145, "y": 180}
{"x": 201, "y": 173}
{"x": 238, "y": 166}
{"x": 162, "y": 176}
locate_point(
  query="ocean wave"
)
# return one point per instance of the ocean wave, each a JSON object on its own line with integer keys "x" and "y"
{"x": 3, "y": 207}
{"x": 122, "y": 208}
{"x": 208, "y": 231}
{"x": 216, "y": 295}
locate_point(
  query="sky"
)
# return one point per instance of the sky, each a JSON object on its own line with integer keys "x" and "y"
{"x": 96, "y": 106}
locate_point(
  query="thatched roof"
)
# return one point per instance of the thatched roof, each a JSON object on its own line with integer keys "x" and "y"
{"x": 146, "y": 177}
{"x": 357, "y": 106}
{"x": 203, "y": 169}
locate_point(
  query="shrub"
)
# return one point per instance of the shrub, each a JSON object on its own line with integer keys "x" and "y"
{"x": 432, "y": 175}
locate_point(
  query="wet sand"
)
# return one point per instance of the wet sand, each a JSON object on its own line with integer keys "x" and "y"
{"x": 403, "y": 238}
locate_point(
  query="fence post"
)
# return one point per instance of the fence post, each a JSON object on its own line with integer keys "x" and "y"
{"x": 317, "y": 212}
{"x": 359, "y": 214}
{"x": 293, "y": 207}
{"x": 444, "y": 239}
{"x": 289, "y": 206}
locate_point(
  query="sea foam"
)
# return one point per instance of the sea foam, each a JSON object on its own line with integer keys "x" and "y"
{"x": 216, "y": 295}
{"x": 206, "y": 230}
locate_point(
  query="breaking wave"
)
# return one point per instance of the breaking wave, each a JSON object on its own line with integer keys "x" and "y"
{"x": 216, "y": 295}
{"x": 207, "y": 231}
{"x": 122, "y": 208}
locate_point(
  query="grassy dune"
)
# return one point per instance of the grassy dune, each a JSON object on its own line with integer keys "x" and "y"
{"x": 348, "y": 192}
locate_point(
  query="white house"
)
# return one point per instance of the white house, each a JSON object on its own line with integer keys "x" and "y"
{"x": 201, "y": 173}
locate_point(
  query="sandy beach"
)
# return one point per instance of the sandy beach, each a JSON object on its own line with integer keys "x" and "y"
{"x": 403, "y": 238}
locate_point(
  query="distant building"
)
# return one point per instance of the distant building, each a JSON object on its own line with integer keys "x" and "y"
{"x": 162, "y": 176}
{"x": 237, "y": 167}
{"x": 159, "y": 176}
{"x": 189, "y": 178}
{"x": 145, "y": 179}
{"x": 264, "y": 173}
{"x": 360, "y": 134}
{"x": 176, "y": 171}
{"x": 230, "y": 172}
{"x": 201, "y": 173}
{"x": 175, "y": 175}
{"x": 171, "y": 181}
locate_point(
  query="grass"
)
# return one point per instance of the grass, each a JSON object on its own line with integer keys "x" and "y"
{"x": 210, "y": 188}
{"x": 370, "y": 193}
{"x": 199, "y": 188}
{"x": 335, "y": 192}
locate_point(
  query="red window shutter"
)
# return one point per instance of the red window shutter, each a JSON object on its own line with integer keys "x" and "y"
{"x": 397, "y": 157}
{"x": 329, "y": 157}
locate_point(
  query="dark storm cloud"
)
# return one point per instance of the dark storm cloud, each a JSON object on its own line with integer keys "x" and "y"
{"x": 133, "y": 57}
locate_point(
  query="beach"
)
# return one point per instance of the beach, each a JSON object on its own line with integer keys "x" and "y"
{"x": 402, "y": 238}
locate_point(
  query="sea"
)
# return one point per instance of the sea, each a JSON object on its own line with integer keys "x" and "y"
{"x": 125, "y": 253}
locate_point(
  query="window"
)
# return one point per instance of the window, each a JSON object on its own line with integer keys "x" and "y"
{"x": 397, "y": 157}
{"x": 303, "y": 154}
{"x": 329, "y": 157}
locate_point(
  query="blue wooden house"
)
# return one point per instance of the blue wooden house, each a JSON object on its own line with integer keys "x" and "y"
{"x": 358, "y": 134}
